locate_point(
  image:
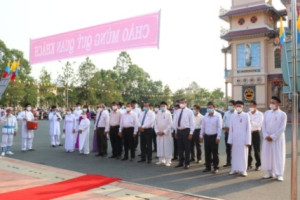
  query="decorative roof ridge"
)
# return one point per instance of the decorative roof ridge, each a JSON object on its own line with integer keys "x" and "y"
{"x": 253, "y": 27}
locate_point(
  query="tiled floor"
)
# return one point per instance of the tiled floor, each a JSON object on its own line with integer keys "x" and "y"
{"x": 16, "y": 174}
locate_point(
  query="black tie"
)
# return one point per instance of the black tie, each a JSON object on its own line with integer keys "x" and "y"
{"x": 98, "y": 119}
{"x": 179, "y": 120}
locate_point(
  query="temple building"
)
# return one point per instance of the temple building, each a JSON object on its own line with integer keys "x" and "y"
{"x": 253, "y": 44}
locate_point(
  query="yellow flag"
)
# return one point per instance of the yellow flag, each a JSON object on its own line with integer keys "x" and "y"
{"x": 18, "y": 63}
{"x": 13, "y": 66}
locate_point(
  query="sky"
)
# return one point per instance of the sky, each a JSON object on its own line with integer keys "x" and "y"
{"x": 189, "y": 49}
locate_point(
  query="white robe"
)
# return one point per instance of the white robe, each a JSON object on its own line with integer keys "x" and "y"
{"x": 84, "y": 136}
{"x": 163, "y": 123}
{"x": 25, "y": 132}
{"x": 69, "y": 126}
{"x": 239, "y": 137}
{"x": 273, "y": 153}
{"x": 54, "y": 124}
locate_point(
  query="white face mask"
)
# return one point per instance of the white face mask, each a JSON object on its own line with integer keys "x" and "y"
{"x": 252, "y": 109}
{"x": 85, "y": 109}
{"x": 28, "y": 108}
{"x": 78, "y": 108}
{"x": 239, "y": 109}
{"x": 136, "y": 105}
{"x": 128, "y": 109}
{"x": 100, "y": 109}
{"x": 84, "y": 116}
{"x": 182, "y": 105}
{"x": 69, "y": 113}
{"x": 156, "y": 109}
{"x": 272, "y": 106}
{"x": 114, "y": 107}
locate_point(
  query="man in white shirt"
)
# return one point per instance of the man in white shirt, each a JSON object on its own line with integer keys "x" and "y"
{"x": 137, "y": 111}
{"x": 54, "y": 129}
{"x": 184, "y": 123}
{"x": 226, "y": 124}
{"x": 115, "y": 139}
{"x": 128, "y": 130}
{"x": 146, "y": 123}
{"x": 175, "y": 147}
{"x": 273, "y": 147}
{"x": 195, "y": 141}
{"x": 101, "y": 128}
{"x": 211, "y": 132}
{"x": 256, "y": 120}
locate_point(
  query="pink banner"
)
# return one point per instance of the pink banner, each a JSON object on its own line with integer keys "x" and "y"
{"x": 142, "y": 31}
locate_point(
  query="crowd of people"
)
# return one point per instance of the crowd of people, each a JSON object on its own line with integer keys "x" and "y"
{"x": 174, "y": 134}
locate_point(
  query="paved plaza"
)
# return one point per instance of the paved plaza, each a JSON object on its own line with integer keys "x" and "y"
{"x": 137, "y": 176}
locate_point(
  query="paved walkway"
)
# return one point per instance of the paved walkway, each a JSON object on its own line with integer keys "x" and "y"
{"x": 16, "y": 174}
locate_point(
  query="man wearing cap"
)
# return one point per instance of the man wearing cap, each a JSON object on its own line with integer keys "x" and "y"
{"x": 240, "y": 139}
{"x": 27, "y": 135}
{"x": 54, "y": 129}
{"x": 9, "y": 130}
{"x": 273, "y": 147}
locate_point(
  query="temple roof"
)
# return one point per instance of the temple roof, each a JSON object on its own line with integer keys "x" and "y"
{"x": 265, "y": 30}
{"x": 251, "y": 9}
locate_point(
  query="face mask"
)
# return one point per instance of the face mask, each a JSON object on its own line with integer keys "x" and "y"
{"x": 252, "y": 109}
{"x": 136, "y": 105}
{"x": 209, "y": 110}
{"x": 230, "y": 108}
{"x": 272, "y": 106}
{"x": 194, "y": 112}
{"x": 85, "y": 109}
{"x": 182, "y": 105}
{"x": 163, "y": 109}
{"x": 100, "y": 109}
{"x": 145, "y": 109}
{"x": 69, "y": 112}
{"x": 78, "y": 107}
{"x": 123, "y": 107}
{"x": 156, "y": 109}
{"x": 84, "y": 116}
{"x": 114, "y": 107}
{"x": 28, "y": 108}
{"x": 128, "y": 109}
{"x": 239, "y": 109}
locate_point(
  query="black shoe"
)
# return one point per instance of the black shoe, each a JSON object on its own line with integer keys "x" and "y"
{"x": 227, "y": 165}
{"x": 53, "y": 145}
{"x": 249, "y": 167}
{"x": 140, "y": 161}
{"x": 118, "y": 157}
{"x": 192, "y": 160}
{"x": 31, "y": 149}
{"x": 104, "y": 155}
{"x": 206, "y": 170}
{"x": 186, "y": 166}
{"x": 175, "y": 158}
{"x": 215, "y": 171}
{"x": 149, "y": 161}
{"x": 99, "y": 154}
{"x": 60, "y": 145}
{"x": 124, "y": 158}
{"x": 112, "y": 156}
{"x": 179, "y": 165}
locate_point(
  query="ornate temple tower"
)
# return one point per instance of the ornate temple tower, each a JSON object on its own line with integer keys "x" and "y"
{"x": 255, "y": 73}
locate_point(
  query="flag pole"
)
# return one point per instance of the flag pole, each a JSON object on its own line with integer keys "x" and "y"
{"x": 295, "y": 105}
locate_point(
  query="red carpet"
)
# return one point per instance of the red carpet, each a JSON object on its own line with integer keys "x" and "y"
{"x": 59, "y": 189}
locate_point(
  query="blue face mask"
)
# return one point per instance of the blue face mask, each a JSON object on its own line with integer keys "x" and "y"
{"x": 145, "y": 109}
{"x": 230, "y": 108}
{"x": 123, "y": 107}
{"x": 194, "y": 112}
{"x": 163, "y": 109}
{"x": 209, "y": 110}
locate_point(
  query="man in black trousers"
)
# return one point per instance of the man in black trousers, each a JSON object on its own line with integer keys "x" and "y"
{"x": 184, "y": 123}
{"x": 115, "y": 139}
{"x": 211, "y": 133}
{"x": 146, "y": 123}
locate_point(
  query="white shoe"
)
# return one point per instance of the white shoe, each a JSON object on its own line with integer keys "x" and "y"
{"x": 158, "y": 163}
{"x": 268, "y": 176}
{"x": 244, "y": 174}
{"x": 3, "y": 154}
{"x": 168, "y": 164}
{"x": 9, "y": 153}
{"x": 280, "y": 178}
{"x": 232, "y": 172}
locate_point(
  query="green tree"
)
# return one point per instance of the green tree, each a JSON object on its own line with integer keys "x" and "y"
{"x": 66, "y": 79}
{"x": 46, "y": 89}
